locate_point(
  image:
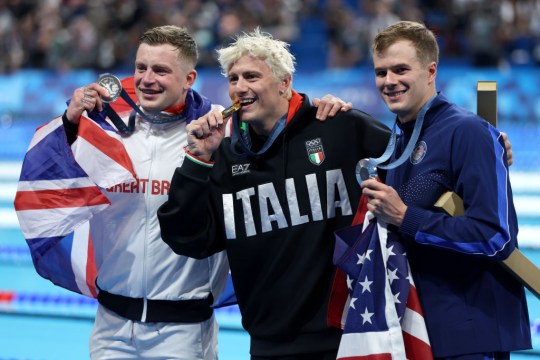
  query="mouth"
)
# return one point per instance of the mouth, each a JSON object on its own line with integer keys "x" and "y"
{"x": 394, "y": 94}
{"x": 247, "y": 101}
{"x": 150, "y": 91}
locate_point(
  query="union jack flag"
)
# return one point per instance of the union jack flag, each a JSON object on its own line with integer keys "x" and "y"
{"x": 374, "y": 299}
{"x": 59, "y": 190}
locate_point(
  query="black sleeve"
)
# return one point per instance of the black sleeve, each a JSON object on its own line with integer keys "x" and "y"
{"x": 374, "y": 137}
{"x": 188, "y": 222}
{"x": 70, "y": 128}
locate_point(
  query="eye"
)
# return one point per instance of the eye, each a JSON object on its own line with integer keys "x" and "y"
{"x": 250, "y": 76}
{"x": 232, "y": 79}
{"x": 380, "y": 73}
{"x": 401, "y": 70}
{"x": 161, "y": 70}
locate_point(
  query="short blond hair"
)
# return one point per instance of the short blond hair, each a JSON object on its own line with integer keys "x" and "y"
{"x": 275, "y": 53}
{"x": 177, "y": 37}
{"x": 418, "y": 34}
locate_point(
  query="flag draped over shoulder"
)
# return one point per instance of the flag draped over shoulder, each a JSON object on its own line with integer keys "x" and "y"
{"x": 374, "y": 299}
{"x": 59, "y": 190}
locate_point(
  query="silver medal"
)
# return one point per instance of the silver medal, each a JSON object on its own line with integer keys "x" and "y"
{"x": 365, "y": 169}
{"x": 112, "y": 84}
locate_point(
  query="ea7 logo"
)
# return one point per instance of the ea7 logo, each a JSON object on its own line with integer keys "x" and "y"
{"x": 240, "y": 169}
{"x": 315, "y": 151}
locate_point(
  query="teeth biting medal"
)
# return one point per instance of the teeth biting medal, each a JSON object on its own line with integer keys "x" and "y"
{"x": 231, "y": 109}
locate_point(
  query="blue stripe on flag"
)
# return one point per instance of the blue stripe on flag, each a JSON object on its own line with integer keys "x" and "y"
{"x": 52, "y": 259}
{"x": 51, "y": 159}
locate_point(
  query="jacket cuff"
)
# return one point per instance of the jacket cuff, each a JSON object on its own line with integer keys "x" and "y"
{"x": 70, "y": 128}
{"x": 197, "y": 159}
{"x": 196, "y": 168}
{"x": 412, "y": 220}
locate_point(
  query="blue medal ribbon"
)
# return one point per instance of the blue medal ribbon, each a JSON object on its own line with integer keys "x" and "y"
{"x": 368, "y": 167}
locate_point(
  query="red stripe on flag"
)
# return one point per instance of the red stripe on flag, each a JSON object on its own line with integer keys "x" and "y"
{"x": 120, "y": 105}
{"x": 91, "y": 271}
{"x": 369, "y": 357}
{"x": 415, "y": 348}
{"x": 413, "y": 302}
{"x": 336, "y": 304}
{"x": 108, "y": 145}
{"x": 64, "y": 198}
{"x": 361, "y": 210}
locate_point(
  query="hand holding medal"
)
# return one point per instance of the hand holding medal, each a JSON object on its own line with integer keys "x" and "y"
{"x": 113, "y": 86}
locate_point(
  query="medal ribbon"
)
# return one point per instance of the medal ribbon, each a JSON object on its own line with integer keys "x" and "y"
{"x": 410, "y": 145}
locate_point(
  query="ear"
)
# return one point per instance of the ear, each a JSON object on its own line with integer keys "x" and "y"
{"x": 191, "y": 76}
{"x": 432, "y": 72}
{"x": 285, "y": 84}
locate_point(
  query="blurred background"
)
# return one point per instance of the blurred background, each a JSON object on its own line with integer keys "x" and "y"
{"x": 50, "y": 47}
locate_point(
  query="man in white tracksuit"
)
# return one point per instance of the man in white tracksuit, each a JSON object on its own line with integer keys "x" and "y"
{"x": 152, "y": 302}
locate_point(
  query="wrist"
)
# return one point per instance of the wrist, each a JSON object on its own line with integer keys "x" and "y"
{"x": 201, "y": 159}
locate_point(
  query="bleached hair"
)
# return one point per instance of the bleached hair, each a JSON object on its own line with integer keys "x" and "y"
{"x": 262, "y": 46}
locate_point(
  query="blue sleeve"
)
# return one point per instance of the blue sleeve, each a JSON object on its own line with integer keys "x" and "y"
{"x": 479, "y": 173}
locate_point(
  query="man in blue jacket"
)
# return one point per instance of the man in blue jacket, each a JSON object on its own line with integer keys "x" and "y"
{"x": 474, "y": 309}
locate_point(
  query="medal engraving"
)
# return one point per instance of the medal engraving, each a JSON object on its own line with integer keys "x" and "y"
{"x": 112, "y": 84}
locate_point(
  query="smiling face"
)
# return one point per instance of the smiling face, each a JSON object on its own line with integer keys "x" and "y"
{"x": 161, "y": 78}
{"x": 404, "y": 82}
{"x": 262, "y": 95}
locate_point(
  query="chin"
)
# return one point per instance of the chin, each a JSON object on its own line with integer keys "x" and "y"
{"x": 393, "y": 107}
{"x": 150, "y": 106}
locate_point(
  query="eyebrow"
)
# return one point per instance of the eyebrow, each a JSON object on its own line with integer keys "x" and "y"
{"x": 400, "y": 65}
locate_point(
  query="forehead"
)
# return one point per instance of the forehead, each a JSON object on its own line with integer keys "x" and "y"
{"x": 165, "y": 54}
{"x": 402, "y": 51}
{"x": 249, "y": 63}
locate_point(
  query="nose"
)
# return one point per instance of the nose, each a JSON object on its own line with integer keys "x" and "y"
{"x": 148, "y": 76}
{"x": 239, "y": 87}
{"x": 391, "y": 78}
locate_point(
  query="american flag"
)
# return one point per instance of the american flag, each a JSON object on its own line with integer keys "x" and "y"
{"x": 59, "y": 190}
{"x": 374, "y": 299}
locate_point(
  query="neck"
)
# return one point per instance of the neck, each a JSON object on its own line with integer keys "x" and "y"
{"x": 265, "y": 127}
{"x": 414, "y": 116}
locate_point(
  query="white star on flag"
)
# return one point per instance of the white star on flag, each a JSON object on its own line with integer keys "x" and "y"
{"x": 366, "y": 316}
{"x": 366, "y": 285}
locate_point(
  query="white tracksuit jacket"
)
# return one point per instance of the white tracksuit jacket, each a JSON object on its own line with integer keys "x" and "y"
{"x": 131, "y": 258}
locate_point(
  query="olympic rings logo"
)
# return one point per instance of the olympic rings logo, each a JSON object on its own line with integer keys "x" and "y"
{"x": 314, "y": 142}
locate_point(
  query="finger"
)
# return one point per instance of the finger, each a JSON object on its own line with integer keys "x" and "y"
{"x": 369, "y": 193}
{"x": 97, "y": 93}
{"x": 206, "y": 125}
{"x": 346, "y": 106}
{"x": 100, "y": 90}
{"x": 323, "y": 107}
{"x": 215, "y": 119}
{"x": 88, "y": 103}
{"x": 194, "y": 130}
{"x": 336, "y": 107}
{"x": 509, "y": 157}
{"x": 369, "y": 184}
{"x": 99, "y": 104}
{"x": 323, "y": 110}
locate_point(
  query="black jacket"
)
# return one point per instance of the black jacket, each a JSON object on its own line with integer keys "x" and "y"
{"x": 276, "y": 214}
